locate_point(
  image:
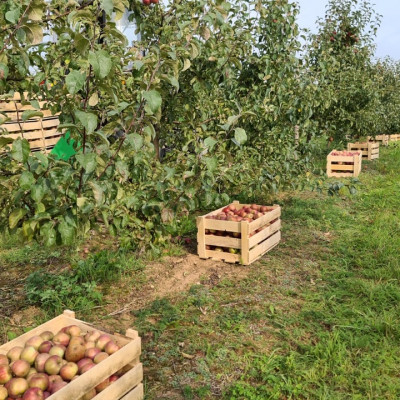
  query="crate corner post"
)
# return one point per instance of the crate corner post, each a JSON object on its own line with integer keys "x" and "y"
{"x": 245, "y": 250}
{"x": 201, "y": 234}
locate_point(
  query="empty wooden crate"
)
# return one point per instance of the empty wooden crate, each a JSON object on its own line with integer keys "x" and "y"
{"x": 238, "y": 241}
{"x": 128, "y": 387}
{"x": 343, "y": 164}
{"x": 370, "y": 150}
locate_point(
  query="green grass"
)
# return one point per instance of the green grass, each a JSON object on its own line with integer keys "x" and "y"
{"x": 318, "y": 318}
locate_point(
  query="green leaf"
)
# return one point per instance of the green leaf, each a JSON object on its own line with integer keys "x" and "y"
{"x": 31, "y": 113}
{"x": 240, "y": 136}
{"x": 210, "y": 142}
{"x": 153, "y": 99}
{"x": 15, "y": 217}
{"x": 26, "y": 180}
{"x": 135, "y": 140}
{"x": 13, "y": 15}
{"x": 74, "y": 81}
{"x": 87, "y": 161}
{"x": 107, "y": 6}
{"x": 186, "y": 64}
{"x": 80, "y": 201}
{"x": 4, "y": 141}
{"x": 88, "y": 120}
{"x": 101, "y": 63}
{"x": 48, "y": 234}
{"x": 38, "y": 191}
{"x": 20, "y": 150}
{"x": 67, "y": 232}
{"x": 3, "y": 71}
{"x": 34, "y": 33}
{"x": 98, "y": 192}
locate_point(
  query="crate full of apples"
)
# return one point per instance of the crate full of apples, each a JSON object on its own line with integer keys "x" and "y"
{"x": 67, "y": 359}
{"x": 344, "y": 163}
{"x": 239, "y": 233}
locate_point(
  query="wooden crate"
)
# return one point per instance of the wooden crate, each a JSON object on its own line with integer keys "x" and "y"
{"x": 394, "y": 138}
{"x": 41, "y": 132}
{"x": 342, "y": 166}
{"x": 370, "y": 150}
{"x": 251, "y": 244}
{"x": 128, "y": 387}
{"x": 381, "y": 139}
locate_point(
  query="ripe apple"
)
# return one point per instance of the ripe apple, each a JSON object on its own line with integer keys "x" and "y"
{"x": 146, "y": 2}
{"x": 3, "y": 393}
{"x": 154, "y": 1}
{"x": 52, "y": 380}
{"x": 58, "y": 350}
{"x": 111, "y": 347}
{"x": 103, "y": 385}
{"x": 20, "y": 368}
{"x": 75, "y": 352}
{"x": 92, "y": 336}
{"x": 86, "y": 367}
{"x": 100, "y": 357}
{"x": 5, "y": 374}
{"x": 47, "y": 335}
{"x": 73, "y": 330}
{"x": 83, "y": 362}
{"x": 102, "y": 341}
{"x": 114, "y": 378}
{"x": 29, "y": 354}
{"x": 45, "y": 346}
{"x": 41, "y": 361}
{"x": 14, "y": 353}
{"x": 61, "y": 338}
{"x": 34, "y": 341}
{"x": 3, "y": 359}
{"x": 39, "y": 380}
{"x": 46, "y": 394}
{"x": 68, "y": 371}
{"x": 90, "y": 345}
{"x": 53, "y": 365}
{"x": 92, "y": 352}
{"x": 33, "y": 394}
{"x": 89, "y": 395}
{"x": 55, "y": 387}
{"x": 17, "y": 387}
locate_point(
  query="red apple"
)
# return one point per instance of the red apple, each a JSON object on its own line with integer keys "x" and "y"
{"x": 91, "y": 353}
{"x": 45, "y": 347}
{"x": 102, "y": 341}
{"x": 14, "y": 353}
{"x": 103, "y": 385}
{"x": 100, "y": 357}
{"x": 53, "y": 365}
{"x": 5, "y": 374}
{"x": 29, "y": 354}
{"x": 20, "y": 368}
{"x": 82, "y": 363}
{"x": 55, "y": 387}
{"x": 61, "y": 338}
{"x": 86, "y": 367}
{"x": 40, "y": 361}
{"x": 17, "y": 387}
{"x": 68, "y": 371}
{"x": 33, "y": 394}
{"x": 39, "y": 380}
{"x": 3, "y": 359}
{"x": 34, "y": 341}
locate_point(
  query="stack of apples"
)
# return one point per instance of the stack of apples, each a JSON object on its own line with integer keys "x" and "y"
{"x": 345, "y": 153}
{"x": 231, "y": 213}
{"x": 48, "y": 362}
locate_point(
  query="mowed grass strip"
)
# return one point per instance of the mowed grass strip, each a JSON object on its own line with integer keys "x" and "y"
{"x": 318, "y": 318}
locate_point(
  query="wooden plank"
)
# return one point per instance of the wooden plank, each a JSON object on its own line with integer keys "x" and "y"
{"x": 265, "y": 233}
{"x": 31, "y": 125}
{"x": 218, "y": 225}
{"x": 123, "y": 385}
{"x": 32, "y": 135}
{"x": 13, "y": 106}
{"x": 222, "y": 255}
{"x": 135, "y": 394}
{"x": 44, "y": 143}
{"x": 265, "y": 219}
{"x": 341, "y": 167}
{"x": 14, "y": 116}
{"x": 341, "y": 158}
{"x": 263, "y": 247}
{"x": 84, "y": 383}
{"x": 244, "y": 254}
{"x": 222, "y": 241}
{"x": 201, "y": 232}
{"x": 340, "y": 174}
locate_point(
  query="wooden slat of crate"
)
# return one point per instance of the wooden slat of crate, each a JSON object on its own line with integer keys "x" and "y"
{"x": 13, "y": 106}
{"x": 15, "y": 116}
{"x": 222, "y": 255}
{"x": 33, "y": 135}
{"x": 265, "y": 219}
{"x": 135, "y": 394}
{"x": 222, "y": 241}
{"x": 31, "y": 125}
{"x": 265, "y": 246}
{"x": 128, "y": 354}
{"x": 262, "y": 235}
{"x": 370, "y": 150}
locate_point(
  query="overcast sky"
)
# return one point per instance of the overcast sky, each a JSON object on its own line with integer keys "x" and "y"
{"x": 388, "y": 38}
